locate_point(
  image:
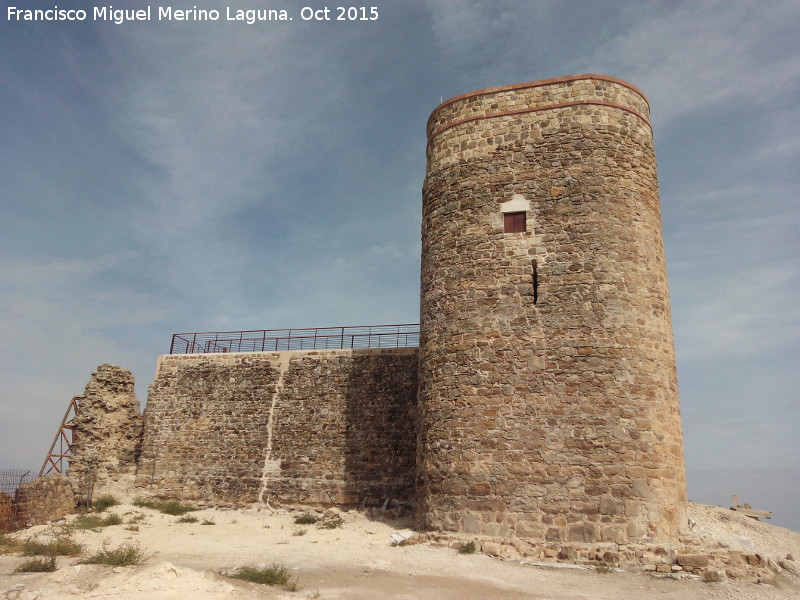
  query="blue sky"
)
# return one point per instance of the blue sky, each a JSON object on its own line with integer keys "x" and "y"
{"x": 160, "y": 177}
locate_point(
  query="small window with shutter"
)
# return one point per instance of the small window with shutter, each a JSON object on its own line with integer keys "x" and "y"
{"x": 514, "y": 222}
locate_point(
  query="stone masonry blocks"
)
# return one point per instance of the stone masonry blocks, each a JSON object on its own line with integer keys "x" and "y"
{"x": 322, "y": 427}
{"x": 548, "y": 396}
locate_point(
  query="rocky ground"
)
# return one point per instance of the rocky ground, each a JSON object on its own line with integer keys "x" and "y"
{"x": 357, "y": 560}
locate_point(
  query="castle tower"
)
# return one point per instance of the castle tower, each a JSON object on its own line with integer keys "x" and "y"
{"x": 548, "y": 397}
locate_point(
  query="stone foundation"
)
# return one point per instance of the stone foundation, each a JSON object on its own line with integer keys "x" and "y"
{"x": 688, "y": 558}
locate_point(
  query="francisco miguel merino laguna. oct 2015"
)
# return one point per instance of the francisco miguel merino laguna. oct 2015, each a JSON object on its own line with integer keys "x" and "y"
{"x": 167, "y": 13}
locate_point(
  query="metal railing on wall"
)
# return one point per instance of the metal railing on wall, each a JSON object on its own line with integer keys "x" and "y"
{"x": 278, "y": 340}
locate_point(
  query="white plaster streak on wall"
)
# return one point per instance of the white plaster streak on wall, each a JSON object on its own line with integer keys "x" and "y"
{"x": 271, "y": 465}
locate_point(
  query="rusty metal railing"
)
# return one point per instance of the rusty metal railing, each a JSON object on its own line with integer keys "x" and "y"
{"x": 12, "y": 510}
{"x": 278, "y": 340}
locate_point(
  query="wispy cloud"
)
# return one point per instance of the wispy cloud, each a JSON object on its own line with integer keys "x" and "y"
{"x": 694, "y": 55}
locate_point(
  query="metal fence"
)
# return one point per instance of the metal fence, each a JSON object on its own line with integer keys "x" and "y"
{"x": 277, "y": 340}
{"x": 12, "y": 514}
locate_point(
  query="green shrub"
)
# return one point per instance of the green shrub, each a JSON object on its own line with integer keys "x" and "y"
{"x": 136, "y": 518}
{"x": 85, "y": 521}
{"x": 468, "y": 548}
{"x": 37, "y": 565}
{"x": 603, "y": 568}
{"x": 332, "y": 524}
{"x": 93, "y": 521}
{"x": 168, "y": 507}
{"x": 104, "y": 502}
{"x": 126, "y": 555}
{"x": 188, "y": 519}
{"x": 61, "y": 546}
{"x": 305, "y": 519}
{"x": 173, "y": 507}
{"x": 273, "y": 575}
{"x": 7, "y": 544}
{"x": 112, "y": 519}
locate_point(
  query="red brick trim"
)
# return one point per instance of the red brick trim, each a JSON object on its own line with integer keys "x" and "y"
{"x": 537, "y": 109}
{"x": 540, "y": 83}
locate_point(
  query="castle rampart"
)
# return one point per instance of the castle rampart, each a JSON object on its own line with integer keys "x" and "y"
{"x": 316, "y": 427}
{"x": 548, "y": 394}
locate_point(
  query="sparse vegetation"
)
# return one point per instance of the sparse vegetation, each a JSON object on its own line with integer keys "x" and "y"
{"x": 275, "y": 575}
{"x": 297, "y": 531}
{"x": 63, "y": 545}
{"x": 188, "y": 519}
{"x": 603, "y": 568}
{"x": 37, "y": 565}
{"x": 126, "y": 555}
{"x": 136, "y": 518}
{"x": 332, "y": 523}
{"x": 7, "y": 544}
{"x": 173, "y": 507}
{"x": 112, "y": 520}
{"x": 305, "y": 519}
{"x": 104, "y": 502}
{"x": 168, "y": 507}
{"x": 468, "y": 548}
{"x": 207, "y": 522}
{"x": 93, "y": 521}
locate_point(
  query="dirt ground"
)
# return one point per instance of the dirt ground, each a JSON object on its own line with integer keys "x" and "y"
{"x": 357, "y": 561}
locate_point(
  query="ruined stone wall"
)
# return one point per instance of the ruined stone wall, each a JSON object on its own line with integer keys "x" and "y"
{"x": 107, "y": 431}
{"x": 548, "y": 395}
{"x": 45, "y": 499}
{"x": 327, "y": 427}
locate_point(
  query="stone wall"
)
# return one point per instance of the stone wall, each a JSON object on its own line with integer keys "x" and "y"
{"x": 548, "y": 394}
{"x": 323, "y": 427}
{"x": 107, "y": 432}
{"x": 45, "y": 499}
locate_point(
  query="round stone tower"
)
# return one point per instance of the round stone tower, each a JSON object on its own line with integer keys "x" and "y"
{"x": 548, "y": 396}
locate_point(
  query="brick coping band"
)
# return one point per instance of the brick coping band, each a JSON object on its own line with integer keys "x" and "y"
{"x": 532, "y": 84}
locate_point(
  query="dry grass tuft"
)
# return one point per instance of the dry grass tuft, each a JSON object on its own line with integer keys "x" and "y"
{"x": 275, "y": 575}
{"x": 126, "y": 555}
{"x": 37, "y": 565}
